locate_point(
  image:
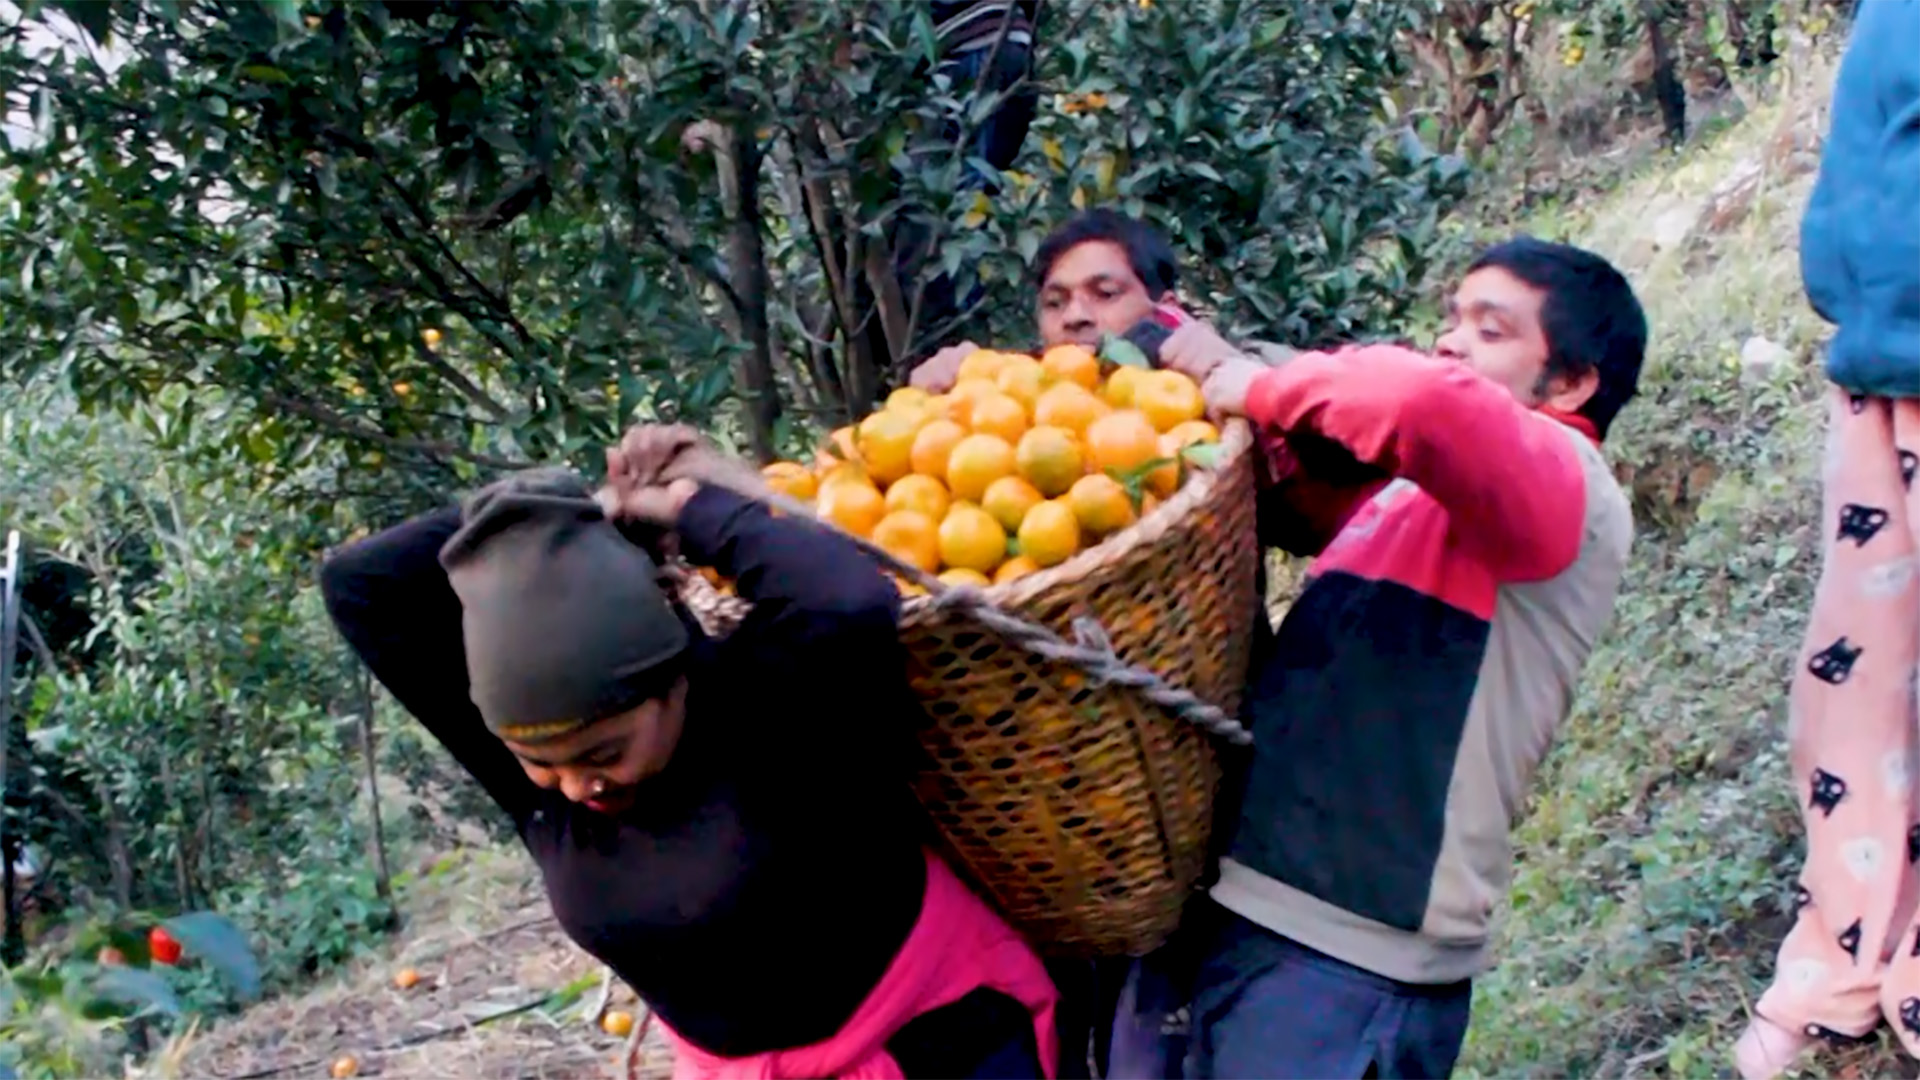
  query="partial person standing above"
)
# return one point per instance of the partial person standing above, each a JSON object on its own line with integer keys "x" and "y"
{"x": 1852, "y": 957}
{"x": 730, "y": 834}
{"x": 1413, "y": 687}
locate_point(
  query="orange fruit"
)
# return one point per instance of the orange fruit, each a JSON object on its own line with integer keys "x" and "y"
{"x": 344, "y": 1066}
{"x": 842, "y": 473}
{"x": 910, "y": 536}
{"x": 1120, "y": 386}
{"x": 971, "y": 540}
{"x": 1068, "y": 405}
{"x": 1017, "y": 567}
{"x": 999, "y": 414}
{"x": 1072, "y": 363}
{"x": 920, "y": 493}
{"x": 908, "y": 398}
{"x": 961, "y": 398}
{"x": 1050, "y": 459}
{"x": 886, "y": 444}
{"x": 1050, "y": 534}
{"x": 1189, "y": 432}
{"x": 1100, "y": 504}
{"x": 406, "y": 978}
{"x": 854, "y": 507}
{"x": 1168, "y": 399}
{"x": 1022, "y": 380}
{"x": 1122, "y": 441}
{"x": 966, "y": 577}
{"x": 982, "y": 364}
{"x": 842, "y": 446}
{"x": 792, "y": 479}
{"x": 933, "y": 445}
{"x": 1009, "y": 498}
{"x": 976, "y": 462}
{"x": 617, "y": 1024}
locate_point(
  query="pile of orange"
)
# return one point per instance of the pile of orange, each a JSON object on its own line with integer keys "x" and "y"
{"x": 1022, "y": 465}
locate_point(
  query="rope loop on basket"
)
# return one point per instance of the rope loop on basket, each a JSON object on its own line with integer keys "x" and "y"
{"x": 1092, "y": 652}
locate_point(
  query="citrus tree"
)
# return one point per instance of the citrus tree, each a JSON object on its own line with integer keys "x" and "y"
{"x": 460, "y": 236}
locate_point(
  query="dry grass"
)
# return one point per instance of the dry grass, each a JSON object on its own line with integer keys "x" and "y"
{"x": 483, "y": 939}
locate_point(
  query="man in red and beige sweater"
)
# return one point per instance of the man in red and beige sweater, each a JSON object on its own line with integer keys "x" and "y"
{"x": 1413, "y": 687}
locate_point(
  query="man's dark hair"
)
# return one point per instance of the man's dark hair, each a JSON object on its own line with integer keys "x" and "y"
{"x": 1591, "y": 319}
{"x": 1148, "y": 250}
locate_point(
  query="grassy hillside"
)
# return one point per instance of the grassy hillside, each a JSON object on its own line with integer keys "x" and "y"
{"x": 1655, "y": 868}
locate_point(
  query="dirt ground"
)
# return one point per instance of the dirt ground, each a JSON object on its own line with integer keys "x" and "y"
{"x": 483, "y": 940}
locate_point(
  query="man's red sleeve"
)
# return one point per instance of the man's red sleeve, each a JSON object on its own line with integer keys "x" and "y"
{"x": 1510, "y": 479}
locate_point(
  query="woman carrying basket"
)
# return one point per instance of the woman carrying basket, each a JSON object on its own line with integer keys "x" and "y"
{"x": 721, "y": 822}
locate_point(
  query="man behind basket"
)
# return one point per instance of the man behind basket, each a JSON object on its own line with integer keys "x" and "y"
{"x": 1415, "y": 684}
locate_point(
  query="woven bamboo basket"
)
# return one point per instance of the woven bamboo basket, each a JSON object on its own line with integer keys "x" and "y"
{"x": 1083, "y": 811}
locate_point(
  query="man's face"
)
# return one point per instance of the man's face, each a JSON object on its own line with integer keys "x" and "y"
{"x": 1494, "y": 327}
{"x": 1090, "y": 291}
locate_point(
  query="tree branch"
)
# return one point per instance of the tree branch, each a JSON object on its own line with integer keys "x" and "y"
{"x": 328, "y": 418}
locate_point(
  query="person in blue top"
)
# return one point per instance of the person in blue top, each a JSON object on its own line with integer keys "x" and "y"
{"x": 1853, "y": 954}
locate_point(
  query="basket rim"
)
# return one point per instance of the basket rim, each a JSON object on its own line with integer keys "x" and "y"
{"x": 1236, "y": 442}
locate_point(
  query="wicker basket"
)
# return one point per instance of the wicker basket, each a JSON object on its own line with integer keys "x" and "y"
{"x": 1084, "y": 811}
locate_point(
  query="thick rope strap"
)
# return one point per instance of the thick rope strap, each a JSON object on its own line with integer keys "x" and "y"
{"x": 1093, "y": 653}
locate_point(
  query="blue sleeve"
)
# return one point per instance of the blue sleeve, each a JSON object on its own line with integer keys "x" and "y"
{"x": 1860, "y": 239}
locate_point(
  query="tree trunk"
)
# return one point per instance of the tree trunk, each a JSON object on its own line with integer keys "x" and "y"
{"x": 383, "y": 877}
{"x": 747, "y": 256}
{"x": 1667, "y": 90}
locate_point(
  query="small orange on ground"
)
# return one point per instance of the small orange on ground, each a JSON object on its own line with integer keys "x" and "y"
{"x": 971, "y": 540}
{"x": 998, "y": 414}
{"x": 1189, "y": 432}
{"x": 967, "y": 577}
{"x": 1008, "y": 499}
{"x": 977, "y": 462}
{"x": 886, "y": 444}
{"x": 1051, "y": 534}
{"x": 1120, "y": 386}
{"x": 1050, "y": 459}
{"x": 792, "y": 479}
{"x": 982, "y": 364}
{"x": 1022, "y": 380}
{"x": 406, "y": 978}
{"x": 1072, "y": 363}
{"x": 933, "y": 446}
{"x": 617, "y": 1023}
{"x": 344, "y": 1066}
{"x": 1123, "y": 441}
{"x": 910, "y": 536}
{"x": 852, "y": 506}
{"x": 1100, "y": 504}
{"x": 1068, "y": 405}
{"x": 918, "y": 492}
{"x": 961, "y": 398}
{"x": 1168, "y": 399}
{"x": 908, "y": 397}
{"x": 1015, "y": 568}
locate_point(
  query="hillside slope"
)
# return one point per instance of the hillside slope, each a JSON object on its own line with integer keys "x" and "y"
{"x": 1654, "y": 868}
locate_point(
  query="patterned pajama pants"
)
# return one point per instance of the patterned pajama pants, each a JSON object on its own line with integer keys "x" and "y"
{"x": 1853, "y": 954}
